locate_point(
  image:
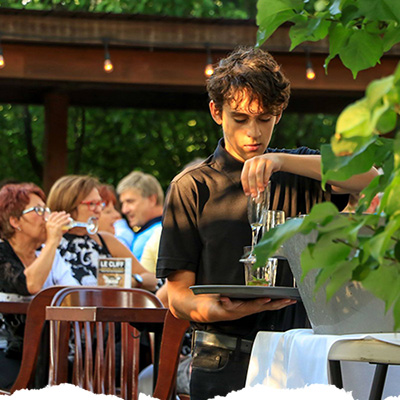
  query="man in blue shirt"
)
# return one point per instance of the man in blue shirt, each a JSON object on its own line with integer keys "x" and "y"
{"x": 142, "y": 199}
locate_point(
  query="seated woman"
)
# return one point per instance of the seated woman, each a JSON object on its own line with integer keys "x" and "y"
{"x": 110, "y": 214}
{"x": 25, "y": 225}
{"x": 79, "y": 196}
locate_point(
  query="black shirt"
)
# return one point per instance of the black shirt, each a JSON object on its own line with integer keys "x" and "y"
{"x": 12, "y": 280}
{"x": 205, "y": 228}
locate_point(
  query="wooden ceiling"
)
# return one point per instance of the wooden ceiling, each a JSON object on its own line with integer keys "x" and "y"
{"x": 158, "y": 61}
{"x": 56, "y": 59}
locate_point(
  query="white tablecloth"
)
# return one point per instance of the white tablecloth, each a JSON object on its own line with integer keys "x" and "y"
{"x": 299, "y": 357}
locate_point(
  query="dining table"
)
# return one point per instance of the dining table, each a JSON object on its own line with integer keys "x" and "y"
{"x": 11, "y": 303}
{"x": 299, "y": 357}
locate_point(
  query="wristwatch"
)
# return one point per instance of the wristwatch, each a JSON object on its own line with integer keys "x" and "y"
{"x": 139, "y": 280}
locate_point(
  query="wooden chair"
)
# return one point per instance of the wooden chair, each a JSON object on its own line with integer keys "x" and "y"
{"x": 34, "y": 328}
{"x": 171, "y": 343}
{"x": 91, "y": 316}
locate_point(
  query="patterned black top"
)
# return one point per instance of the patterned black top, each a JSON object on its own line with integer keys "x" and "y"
{"x": 81, "y": 254}
{"x": 12, "y": 280}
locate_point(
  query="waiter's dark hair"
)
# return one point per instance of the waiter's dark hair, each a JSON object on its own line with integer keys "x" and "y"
{"x": 253, "y": 72}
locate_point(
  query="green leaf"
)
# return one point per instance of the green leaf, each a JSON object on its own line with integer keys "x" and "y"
{"x": 350, "y": 12}
{"x": 271, "y": 15}
{"x": 338, "y": 223}
{"x": 354, "y": 120}
{"x": 338, "y": 37}
{"x": 377, "y": 89}
{"x": 305, "y": 29}
{"x": 396, "y": 314}
{"x": 387, "y": 122}
{"x": 391, "y": 197}
{"x": 396, "y": 74}
{"x": 394, "y": 7}
{"x": 267, "y": 8}
{"x": 384, "y": 282}
{"x": 363, "y": 50}
{"x": 376, "y": 10}
{"x": 391, "y": 37}
{"x": 374, "y": 151}
{"x": 321, "y": 213}
{"x": 268, "y": 25}
{"x": 397, "y": 251}
{"x": 273, "y": 239}
{"x": 342, "y": 275}
{"x": 380, "y": 243}
{"x": 326, "y": 252}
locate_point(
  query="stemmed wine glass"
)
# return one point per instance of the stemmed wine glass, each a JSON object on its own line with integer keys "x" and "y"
{"x": 257, "y": 208}
{"x": 92, "y": 225}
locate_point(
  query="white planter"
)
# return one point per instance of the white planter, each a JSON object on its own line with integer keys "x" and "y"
{"x": 351, "y": 310}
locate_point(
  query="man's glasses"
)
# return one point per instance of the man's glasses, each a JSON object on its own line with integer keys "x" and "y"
{"x": 92, "y": 205}
{"x": 39, "y": 210}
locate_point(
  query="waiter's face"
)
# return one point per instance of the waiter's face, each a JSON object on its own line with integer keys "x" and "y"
{"x": 247, "y": 127}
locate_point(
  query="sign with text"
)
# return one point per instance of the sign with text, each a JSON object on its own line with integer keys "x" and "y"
{"x": 115, "y": 272}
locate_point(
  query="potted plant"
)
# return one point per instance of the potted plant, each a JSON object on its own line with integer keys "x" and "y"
{"x": 356, "y": 247}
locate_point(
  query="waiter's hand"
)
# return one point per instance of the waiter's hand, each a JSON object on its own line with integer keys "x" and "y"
{"x": 257, "y": 171}
{"x": 254, "y": 306}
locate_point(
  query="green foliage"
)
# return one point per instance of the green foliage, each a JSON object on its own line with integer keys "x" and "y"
{"x": 359, "y": 31}
{"x": 178, "y": 8}
{"x": 109, "y": 143}
{"x": 359, "y": 246}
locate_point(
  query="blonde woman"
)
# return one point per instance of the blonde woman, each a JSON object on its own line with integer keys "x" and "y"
{"x": 79, "y": 196}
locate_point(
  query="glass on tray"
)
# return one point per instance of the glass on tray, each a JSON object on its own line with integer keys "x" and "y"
{"x": 264, "y": 275}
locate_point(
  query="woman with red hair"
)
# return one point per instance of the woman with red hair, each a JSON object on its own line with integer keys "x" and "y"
{"x": 25, "y": 225}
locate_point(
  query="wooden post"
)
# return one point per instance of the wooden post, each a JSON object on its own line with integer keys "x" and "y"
{"x": 55, "y": 138}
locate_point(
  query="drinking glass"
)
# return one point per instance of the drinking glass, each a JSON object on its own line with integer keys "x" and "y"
{"x": 92, "y": 225}
{"x": 265, "y": 275}
{"x": 256, "y": 213}
{"x": 273, "y": 218}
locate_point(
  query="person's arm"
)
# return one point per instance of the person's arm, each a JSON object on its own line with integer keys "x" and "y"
{"x": 212, "y": 308}
{"x": 162, "y": 294}
{"x": 37, "y": 273}
{"x": 118, "y": 249}
{"x": 258, "y": 170}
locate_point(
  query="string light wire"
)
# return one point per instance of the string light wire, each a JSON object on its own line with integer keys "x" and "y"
{"x": 209, "y": 68}
{"x": 310, "y": 73}
{"x": 108, "y": 65}
{"x": 2, "y": 62}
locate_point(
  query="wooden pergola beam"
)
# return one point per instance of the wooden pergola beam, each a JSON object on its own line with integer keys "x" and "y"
{"x": 56, "y": 59}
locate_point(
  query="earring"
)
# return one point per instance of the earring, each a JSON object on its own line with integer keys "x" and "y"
{"x": 19, "y": 228}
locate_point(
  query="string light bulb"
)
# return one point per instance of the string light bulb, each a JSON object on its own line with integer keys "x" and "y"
{"x": 2, "y": 62}
{"x": 108, "y": 65}
{"x": 209, "y": 68}
{"x": 310, "y": 73}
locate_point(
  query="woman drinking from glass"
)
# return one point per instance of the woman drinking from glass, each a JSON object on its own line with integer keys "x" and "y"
{"x": 79, "y": 196}
{"x": 25, "y": 225}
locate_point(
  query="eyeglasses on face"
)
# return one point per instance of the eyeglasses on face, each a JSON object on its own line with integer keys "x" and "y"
{"x": 92, "y": 205}
{"x": 39, "y": 210}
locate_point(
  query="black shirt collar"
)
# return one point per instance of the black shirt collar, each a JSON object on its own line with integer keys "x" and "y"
{"x": 227, "y": 163}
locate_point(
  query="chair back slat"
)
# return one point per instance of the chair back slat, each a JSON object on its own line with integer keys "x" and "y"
{"x": 88, "y": 363}
{"x": 109, "y": 369}
{"x": 99, "y": 365}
